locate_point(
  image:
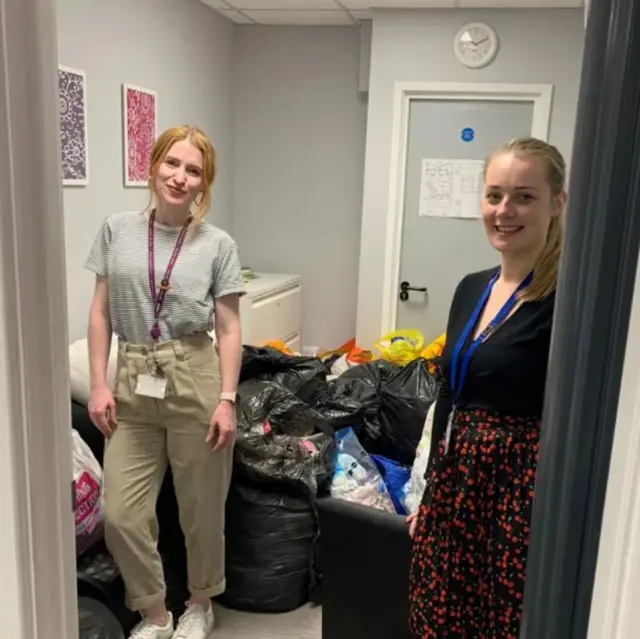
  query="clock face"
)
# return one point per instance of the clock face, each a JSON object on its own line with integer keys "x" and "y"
{"x": 476, "y": 45}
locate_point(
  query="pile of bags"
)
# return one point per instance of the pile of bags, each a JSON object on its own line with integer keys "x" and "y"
{"x": 283, "y": 453}
{"x": 287, "y": 452}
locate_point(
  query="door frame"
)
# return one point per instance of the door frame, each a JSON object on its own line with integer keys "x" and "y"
{"x": 405, "y": 93}
{"x": 37, "y": 549}
{"x": 583, "y": 559}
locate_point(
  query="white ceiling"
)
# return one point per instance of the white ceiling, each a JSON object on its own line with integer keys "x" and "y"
{"x": 345, "y": 12}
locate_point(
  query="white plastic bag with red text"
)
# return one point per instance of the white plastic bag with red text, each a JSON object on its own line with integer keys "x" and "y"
{"x": 87, "y": 475}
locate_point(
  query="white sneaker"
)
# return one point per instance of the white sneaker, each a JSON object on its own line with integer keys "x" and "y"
{"x": 195, "y": 623}
{"x": 146, "y": 630}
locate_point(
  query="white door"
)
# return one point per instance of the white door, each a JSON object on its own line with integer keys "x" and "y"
{"x": 437, "y": 252}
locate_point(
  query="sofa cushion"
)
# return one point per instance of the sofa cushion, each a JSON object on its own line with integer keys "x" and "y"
{"x": 365, "y": 555}
{"x": 79, "y": 369}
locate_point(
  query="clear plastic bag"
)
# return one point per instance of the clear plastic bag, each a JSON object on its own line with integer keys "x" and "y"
{"x": 356, "y": 477}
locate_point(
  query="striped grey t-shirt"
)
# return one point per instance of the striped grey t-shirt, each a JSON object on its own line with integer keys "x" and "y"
{"x": 207, "y": 268}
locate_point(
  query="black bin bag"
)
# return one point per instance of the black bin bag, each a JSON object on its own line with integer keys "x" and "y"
{"x": 385, "y": 404}
{"x": 353, "y": 399}
{"x": 281, "y": 439}
{"x": 96, "y": 621}
{"x": 270, "y": 538}
{"x": 305, "y": 377}
{"x": 405, "y": 399}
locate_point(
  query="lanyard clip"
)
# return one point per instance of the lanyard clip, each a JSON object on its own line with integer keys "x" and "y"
{"x": 156, "y": 369}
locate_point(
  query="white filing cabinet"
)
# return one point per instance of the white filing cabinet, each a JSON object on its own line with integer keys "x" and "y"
{"x": 272, "y": 310}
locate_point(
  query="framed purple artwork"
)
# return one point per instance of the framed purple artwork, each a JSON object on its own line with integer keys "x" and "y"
{"x": 140, "y": 110}
{"x": 72, "y": 97}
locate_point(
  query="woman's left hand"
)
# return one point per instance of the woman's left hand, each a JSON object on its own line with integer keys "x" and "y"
{"x": 222, "y": 429}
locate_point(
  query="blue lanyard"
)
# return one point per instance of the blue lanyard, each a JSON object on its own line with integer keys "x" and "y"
{"x": 458, "y": 377}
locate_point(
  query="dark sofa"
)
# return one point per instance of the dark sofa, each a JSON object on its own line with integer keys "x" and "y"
{"x": 365, "y": 572}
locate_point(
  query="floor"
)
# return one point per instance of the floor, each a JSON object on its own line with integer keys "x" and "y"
{"x": 304, "y": 623}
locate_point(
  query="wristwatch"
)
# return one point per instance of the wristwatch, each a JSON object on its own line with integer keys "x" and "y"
{"x": 228, "y": 397}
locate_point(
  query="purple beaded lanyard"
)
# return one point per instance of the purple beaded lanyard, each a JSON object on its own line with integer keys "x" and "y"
{"x": 158, "y": 298}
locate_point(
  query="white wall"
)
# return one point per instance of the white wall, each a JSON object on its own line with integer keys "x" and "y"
{"x": 543, "y": 46}
{"x": 299, "y": 137}
{"x": 180, "y": 49}
{"x": 615, "y": 611}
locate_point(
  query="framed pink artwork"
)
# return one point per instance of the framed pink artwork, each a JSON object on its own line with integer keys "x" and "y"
{"x": 140, "y": 110}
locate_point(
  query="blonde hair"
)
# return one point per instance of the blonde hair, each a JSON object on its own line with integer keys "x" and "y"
{"x": 200, "y": 141}
{"x": 545, "y": 270}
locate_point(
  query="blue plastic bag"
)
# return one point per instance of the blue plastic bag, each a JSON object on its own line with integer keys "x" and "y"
{"x": 395, "y": 477}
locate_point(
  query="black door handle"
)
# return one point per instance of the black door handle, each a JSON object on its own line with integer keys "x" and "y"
{"x": 405, "y": 287}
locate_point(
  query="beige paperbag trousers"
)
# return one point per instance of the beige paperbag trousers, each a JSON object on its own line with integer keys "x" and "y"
{"x": 151, "y": 433}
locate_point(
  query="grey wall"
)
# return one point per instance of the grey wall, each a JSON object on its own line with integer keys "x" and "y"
{"x": 299, "y": 139}
{"x": 542, "y": 46}
{"x": 292, "y": 155}
{"x": 183, "y": 51}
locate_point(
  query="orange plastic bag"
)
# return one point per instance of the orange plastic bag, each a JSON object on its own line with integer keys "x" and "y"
{"x": 434, "y": 350}
{"x": 353, "y": 354}
{"x": 280, "y": 346}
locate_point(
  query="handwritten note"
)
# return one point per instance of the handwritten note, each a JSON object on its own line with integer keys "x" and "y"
{"x": 451, "y": 188}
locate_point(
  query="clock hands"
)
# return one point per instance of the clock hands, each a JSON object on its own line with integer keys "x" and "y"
{"x": 479, "y": 42}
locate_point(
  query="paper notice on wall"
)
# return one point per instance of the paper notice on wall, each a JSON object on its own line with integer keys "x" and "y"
{"x": 451, "y": 188}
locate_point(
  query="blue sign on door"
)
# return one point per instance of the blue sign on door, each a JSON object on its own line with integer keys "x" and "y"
{"x": 467, "y": 134}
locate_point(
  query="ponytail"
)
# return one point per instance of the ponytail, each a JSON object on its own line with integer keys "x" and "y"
{"x": 545, "y": 270}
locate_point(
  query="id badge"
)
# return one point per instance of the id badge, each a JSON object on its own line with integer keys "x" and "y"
{"x": 151, "y": 386}
{"x": 447, "y": 437}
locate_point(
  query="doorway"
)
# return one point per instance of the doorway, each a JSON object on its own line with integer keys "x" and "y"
{"x": 592, "y": 328}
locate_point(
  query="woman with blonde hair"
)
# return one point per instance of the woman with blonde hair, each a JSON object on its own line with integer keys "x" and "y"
{"x": 164, "y": 279}
{"x": 471, "y": 533}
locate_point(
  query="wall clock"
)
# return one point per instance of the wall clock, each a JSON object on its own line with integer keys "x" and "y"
{"x": 475, "y": 45}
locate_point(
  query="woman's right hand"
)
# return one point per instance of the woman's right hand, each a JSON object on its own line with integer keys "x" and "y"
{"x": 412, "y": 520}
{"x": 102, "y": 410}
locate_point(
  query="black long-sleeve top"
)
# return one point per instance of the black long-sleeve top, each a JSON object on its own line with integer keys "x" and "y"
{"x": 507, "y": 373}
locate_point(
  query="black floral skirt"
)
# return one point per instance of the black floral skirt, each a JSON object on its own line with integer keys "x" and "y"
{"x": 469, "y": 554}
